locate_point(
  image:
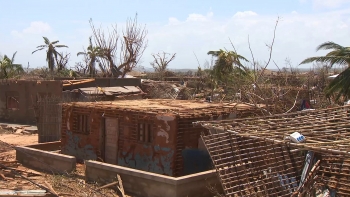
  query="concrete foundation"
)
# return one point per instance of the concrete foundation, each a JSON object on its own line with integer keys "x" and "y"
{"x": 44, "y": 160}
{"x": 48, "y": 146}
{"x": 145, "y": 184}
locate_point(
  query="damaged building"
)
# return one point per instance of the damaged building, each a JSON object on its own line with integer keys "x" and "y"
{"x": 101, "y": 89}
{"x": 150, "y": 135}
{"x": 17, "y": 98}
{"x": 304, "y": 153}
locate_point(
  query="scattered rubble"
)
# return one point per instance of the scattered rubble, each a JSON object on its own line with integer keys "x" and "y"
{"x": 18, "y": 129}
{"x": 253, "y": 157}
{"x": 17, "y": 180}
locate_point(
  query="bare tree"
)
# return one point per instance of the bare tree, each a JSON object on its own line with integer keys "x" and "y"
{"x": 132, "y": 46}
{"x": 81, "y": 68}
{"x": 161, "y": 62}
{"x": 62, "y": 60}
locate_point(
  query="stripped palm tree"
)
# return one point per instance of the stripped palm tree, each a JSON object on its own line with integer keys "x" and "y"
{"x": 92, "y": 53}
{"x": 8, "y": 68}
{"x": 227, "y": 62}
{"x": 339, "y": 55}
{"x": 51, "y": 53}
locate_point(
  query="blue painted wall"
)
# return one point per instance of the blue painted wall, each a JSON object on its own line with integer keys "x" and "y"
{"x": 196, "y": 160}
{"x": 148, "y": 158}
{"x": 86, "y": 152}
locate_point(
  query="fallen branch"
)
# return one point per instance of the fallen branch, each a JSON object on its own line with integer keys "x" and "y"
{"x": 3, "y": 176}
{"x": 308, "y": 181}
{"x": 40, "y": 186}
{"x": 120, "y": 187}
{"x": 108, "y": 185}
{"x": 66, "y": 194}
{"x": 48, "y": 185}
{"x": 295, "y": 101}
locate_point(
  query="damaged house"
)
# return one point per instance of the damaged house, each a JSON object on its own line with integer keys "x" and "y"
{"x": 101, "y": 89}
{"x": 17, "y": 98}
{"x": 150, "y": 135}
{"x": 265, "y": 156}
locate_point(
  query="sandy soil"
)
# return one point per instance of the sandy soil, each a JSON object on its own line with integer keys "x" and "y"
{"x": 65, "y": 185}
{"x": 7, "y": 153}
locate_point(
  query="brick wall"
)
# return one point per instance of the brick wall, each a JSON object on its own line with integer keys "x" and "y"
{"x": 24, "y": 94}
{"x": 156, "y": 156}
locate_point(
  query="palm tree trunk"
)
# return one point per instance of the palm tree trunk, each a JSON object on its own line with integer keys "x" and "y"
{"x": 51, "y": 63}
{"x": 5, "y": 73}
{"x": 92, "y": 66}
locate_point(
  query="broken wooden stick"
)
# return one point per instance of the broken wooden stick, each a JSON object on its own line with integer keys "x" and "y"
{"x": 108, "y": 185}
{"x": 308, "y": 180}
{"x": 120, "y": 187}
{"x": 3, "y": 176}
{"x": 66, "y": 194}
{"x": 49, "y": 186}
{"x": 26, "y": 178}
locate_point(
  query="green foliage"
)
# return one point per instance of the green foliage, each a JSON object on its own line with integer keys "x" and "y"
{"x": 340, "y": 86}
{"x": 51, "y": 52}
{"x": 228, "y": 67}
{"x": 92, "y": 53}
{"x": 340, "y": 55}
{"x": 8, "y": 69}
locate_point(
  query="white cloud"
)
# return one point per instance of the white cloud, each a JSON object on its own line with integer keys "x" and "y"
{"x": 297, "y": 36}
{"x": 16, "y": 34}
{"x": 36, "y": 27}
{"x": 244, "y": 14}
{"x": 196, "y": 17}
{"x": 199, "y": 17}
{"x": 328, "y": 4}
{"x": 173, "y": 20}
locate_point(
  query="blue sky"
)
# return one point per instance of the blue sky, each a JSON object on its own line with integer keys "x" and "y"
{"x": 181, "y": 27}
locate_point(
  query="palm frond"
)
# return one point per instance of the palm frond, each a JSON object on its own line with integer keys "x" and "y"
{"x": 329, "y": 45}
{"x": 13, "y": 57}
{"x": 214, "y": 53}
{"x": 42, "y": 46}
{"x": 340, "y": 85}
{"x": 46, "y": 40}
{"x": 38, "y": 50}
{"x": 242, "y": 58}
{"x": 81, "y": 53}
{"x": 54, "y": 42}
{"x": 90, "y": 41}
{"x": 60, "y": 46}
{"x": 331, "y": 60}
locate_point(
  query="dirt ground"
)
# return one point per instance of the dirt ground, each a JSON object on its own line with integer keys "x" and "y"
{"x": 9, "y": 154}
{"x": 72, "y": 184}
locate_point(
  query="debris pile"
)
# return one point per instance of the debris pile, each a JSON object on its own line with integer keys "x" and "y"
{"x": 305, "y": 153}
{"x": 19, "y": 129}
{"x": 10, "y": 170}
{"x": 165, "y": 90}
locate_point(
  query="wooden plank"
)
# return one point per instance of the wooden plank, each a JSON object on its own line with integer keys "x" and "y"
{"x": 111, "y": 140}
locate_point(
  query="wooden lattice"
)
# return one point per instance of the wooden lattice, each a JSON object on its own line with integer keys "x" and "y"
{"x": 250, "y": 167}
{"x": 326, "y": 130}
{"x": 335, "y": 173}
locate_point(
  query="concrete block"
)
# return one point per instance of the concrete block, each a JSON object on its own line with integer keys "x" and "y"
{"x": 46, "y": 161}
{"x": 141, "y": 183}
